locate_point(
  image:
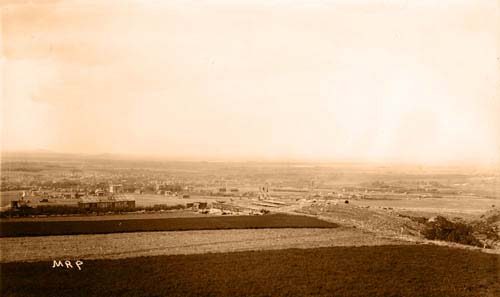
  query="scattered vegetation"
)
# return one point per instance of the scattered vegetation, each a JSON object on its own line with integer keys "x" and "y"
{"x": 487, "y": 229}
{"x": 483, "y": 233}
{"x": 420, "y": 220}
{"x": 160, "y": 207}
{"x": 14, "y": 228}
{"x": 440, "y": 228}
{"x": 338, "y": 271}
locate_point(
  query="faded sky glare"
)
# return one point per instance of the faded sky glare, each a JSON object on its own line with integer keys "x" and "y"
{"x": 388, "y": 80}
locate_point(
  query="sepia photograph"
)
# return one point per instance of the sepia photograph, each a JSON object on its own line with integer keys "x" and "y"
{"x": 225, "y": 148}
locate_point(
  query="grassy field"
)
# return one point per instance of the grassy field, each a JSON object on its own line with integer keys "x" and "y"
{"x": 140, "y": 244}
{"x": 14, "y": 228}
{"x": 418, "y": 270}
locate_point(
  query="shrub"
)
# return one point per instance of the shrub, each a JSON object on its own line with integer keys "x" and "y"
{"x": 264, "y": 211}
{"x": 442, "y": 229}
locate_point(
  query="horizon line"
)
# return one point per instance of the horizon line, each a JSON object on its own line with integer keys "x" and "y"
{"x": 253, "y": 159}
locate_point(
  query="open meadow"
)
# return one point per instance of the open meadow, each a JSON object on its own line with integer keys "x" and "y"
{"x": 139, "y": 244}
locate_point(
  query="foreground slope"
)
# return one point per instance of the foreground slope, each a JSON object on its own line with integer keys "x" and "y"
{"x": 415, "y": 270}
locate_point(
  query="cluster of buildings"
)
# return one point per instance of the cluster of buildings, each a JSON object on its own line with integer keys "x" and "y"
{"x": 94, "y": 204}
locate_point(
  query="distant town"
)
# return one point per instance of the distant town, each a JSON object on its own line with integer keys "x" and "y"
{"x": 98, "y": 184}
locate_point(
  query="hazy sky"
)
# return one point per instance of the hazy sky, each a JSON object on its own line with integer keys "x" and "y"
{"x": 411, "y": 81}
